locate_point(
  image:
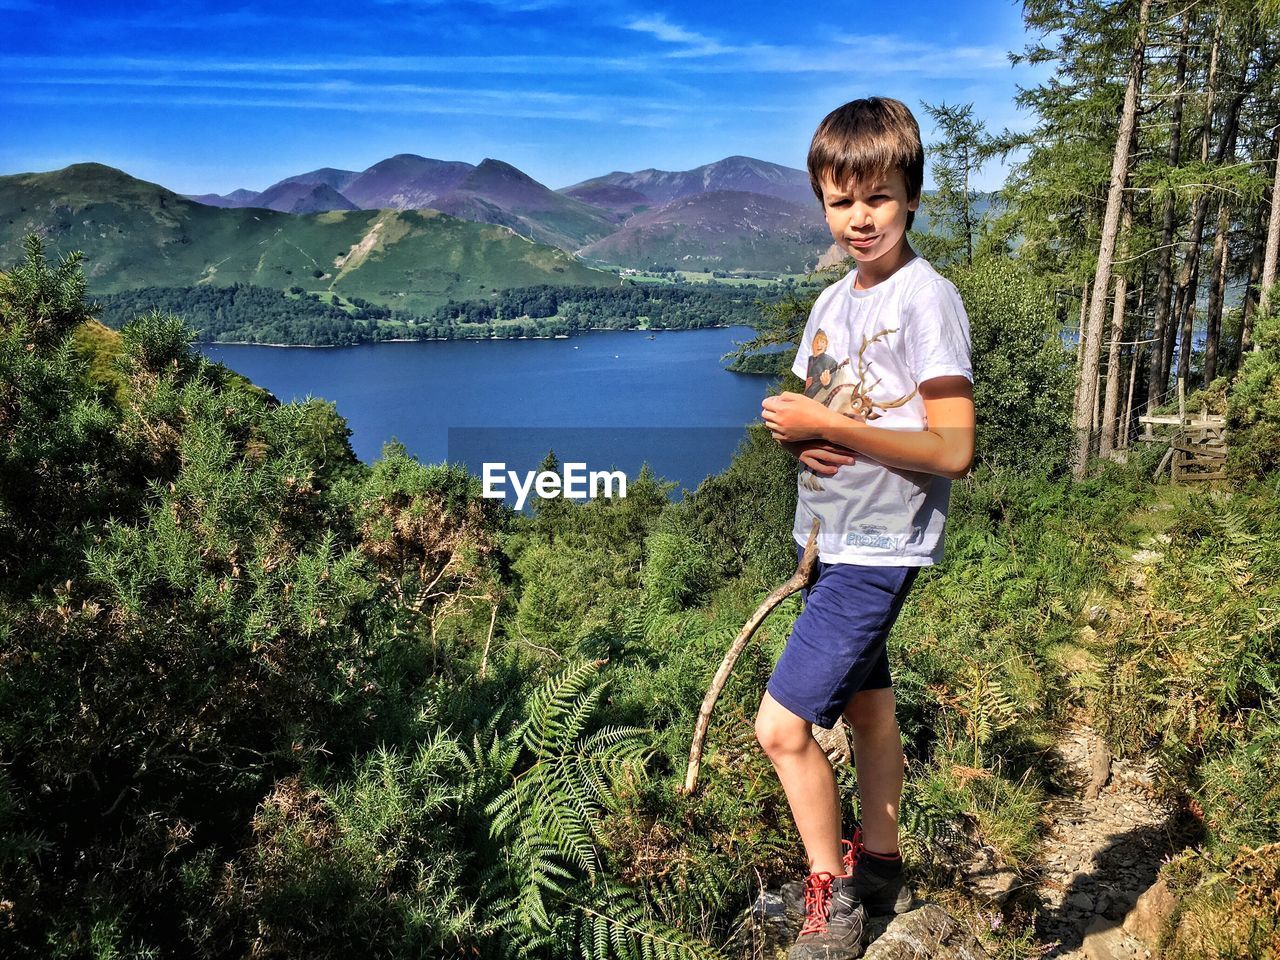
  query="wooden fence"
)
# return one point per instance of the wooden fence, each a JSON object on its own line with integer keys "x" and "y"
{"x": 1197, "y": 447}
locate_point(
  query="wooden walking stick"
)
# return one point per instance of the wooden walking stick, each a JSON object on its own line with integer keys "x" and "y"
{"x": 800, "y": 579}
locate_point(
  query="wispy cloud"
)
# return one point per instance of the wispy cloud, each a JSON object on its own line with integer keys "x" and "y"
{"x": 881, "y": 56}
{"x": 691, "y": 43}
{"x": 663, "y": 30}
{"x": 507, "y": 6}
{"x": 379, "y": 105}
{"x": 601, "y": 104}
{"x": 528, "y": 64}
{"x": 885, "y": 54}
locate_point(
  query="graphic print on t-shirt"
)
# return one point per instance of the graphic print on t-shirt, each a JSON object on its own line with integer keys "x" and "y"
{"x": 842, "y": 386}
{"x": 821, "y": 366}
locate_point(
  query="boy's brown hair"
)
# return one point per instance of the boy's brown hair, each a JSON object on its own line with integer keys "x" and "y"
{"x": 865, "y": 140}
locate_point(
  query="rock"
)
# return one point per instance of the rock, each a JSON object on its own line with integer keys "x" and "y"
{"x": 772, "y": 923}
{"x": 1105, "y": 940}
{"x": 993, "y": 882}
{"x": 793, "y": 900}
{"x": 1081, "y": 901}
{"x": 926, "y": 933}
{"x": 1151, "y": 914}
{"x": 766, "y": 929}
{"x": 1099, "y": 771}
{"x": 835, "y": 742}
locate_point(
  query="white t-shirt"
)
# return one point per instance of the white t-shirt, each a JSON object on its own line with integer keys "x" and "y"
{"x": 882, "y": 343}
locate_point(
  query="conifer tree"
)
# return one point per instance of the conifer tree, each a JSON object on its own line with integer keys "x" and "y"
{"x": 1157, "y": 372}
{"x": 1086, "y": 389}
{"x": 955, "y": 226}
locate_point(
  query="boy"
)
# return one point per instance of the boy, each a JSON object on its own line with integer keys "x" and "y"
{"x": 900, "y": 337}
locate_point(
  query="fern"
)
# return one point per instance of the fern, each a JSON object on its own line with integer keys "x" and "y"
{"x": 554, "y": 803}
{"x": 562, "y": 776}
{"x": 1231, "y": 522}
{"x": 616, "y": 927}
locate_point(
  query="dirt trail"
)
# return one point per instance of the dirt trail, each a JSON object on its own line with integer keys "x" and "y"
{"x": 1109, "y": 832}
{"x": 1101, "y": 853}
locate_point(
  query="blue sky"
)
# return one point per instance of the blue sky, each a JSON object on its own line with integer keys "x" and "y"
{"x": 215, "y": 96}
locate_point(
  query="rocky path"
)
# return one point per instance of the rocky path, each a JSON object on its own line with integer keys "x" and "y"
{"x": 1105, "y": 847}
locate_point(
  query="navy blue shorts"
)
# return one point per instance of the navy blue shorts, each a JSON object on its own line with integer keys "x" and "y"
{"x": 837, "y": 646}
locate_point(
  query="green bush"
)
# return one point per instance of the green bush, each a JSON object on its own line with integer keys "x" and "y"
{"x": 1253, "y": 407}
{"x": 677, "y": 571}
{"x": 1023, "y": 376}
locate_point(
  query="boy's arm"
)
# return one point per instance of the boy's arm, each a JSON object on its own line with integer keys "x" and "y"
{"x": 945, "y": 448}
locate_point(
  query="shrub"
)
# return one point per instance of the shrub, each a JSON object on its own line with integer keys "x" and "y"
{"x": 1253, "y": 407}
{"x": 1023, "y": 377}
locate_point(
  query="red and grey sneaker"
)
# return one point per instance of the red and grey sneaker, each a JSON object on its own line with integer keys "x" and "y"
{"x": 877, "y": 881}
{"x": 834, "y": 921}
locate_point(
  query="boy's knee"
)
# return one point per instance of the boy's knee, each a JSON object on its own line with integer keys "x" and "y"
{"x": 781, "y": 734}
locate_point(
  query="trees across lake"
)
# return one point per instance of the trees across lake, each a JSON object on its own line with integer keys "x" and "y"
{"x": 251, "y": 314}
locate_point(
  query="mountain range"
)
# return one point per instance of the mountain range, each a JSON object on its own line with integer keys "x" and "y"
{"x": 137, "y": 234}
{"x": 738, "y": 213}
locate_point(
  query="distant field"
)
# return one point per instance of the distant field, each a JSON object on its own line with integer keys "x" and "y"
{"x": 709, "y": 277}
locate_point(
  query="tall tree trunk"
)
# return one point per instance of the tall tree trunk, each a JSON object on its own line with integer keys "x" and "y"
{"x": 1162, "y": 332}
{"x": 1106, "y": 249}
{"x": 1251, "y": 291}
{"x": 1189, "y": 278}
{"x": 1273, "y": 241}
{"x": 1135, "y": 360}
{"x": 1188, "y": 317}
{"x": 1084, "y": 316}
{"x": 1107, "y": 439}
{"x": 1217, "y": 290}
{"x": 1219, "y": 261}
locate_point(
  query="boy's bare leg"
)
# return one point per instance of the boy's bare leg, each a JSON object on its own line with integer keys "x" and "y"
{"x": 808, "y": 780}
{"x": 877, "y": 751}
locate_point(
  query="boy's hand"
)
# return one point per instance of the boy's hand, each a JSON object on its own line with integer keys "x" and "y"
{"x": 821, "y": 456}
{"x": 793, "y": 416}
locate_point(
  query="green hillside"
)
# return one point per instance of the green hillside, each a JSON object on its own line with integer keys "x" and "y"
{"x": 137, "y": 234}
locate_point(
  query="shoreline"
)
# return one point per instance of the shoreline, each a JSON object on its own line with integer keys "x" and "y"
{"x": 558, "y": 336}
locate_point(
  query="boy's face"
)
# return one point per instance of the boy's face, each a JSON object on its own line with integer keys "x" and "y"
{"x": 868, "y": 220}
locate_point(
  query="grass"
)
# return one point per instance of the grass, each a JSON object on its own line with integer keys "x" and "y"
{"x": 709, "y": 277}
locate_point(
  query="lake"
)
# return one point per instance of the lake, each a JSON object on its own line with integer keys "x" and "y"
{"x": 608, "y": 399}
